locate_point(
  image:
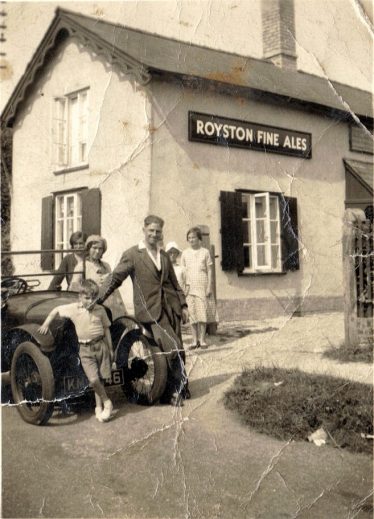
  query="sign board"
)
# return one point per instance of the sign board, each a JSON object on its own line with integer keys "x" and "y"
{"x": 234, "y": 133}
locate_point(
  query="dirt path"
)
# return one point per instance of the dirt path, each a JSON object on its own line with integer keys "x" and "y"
{"x": 194, "y": 462}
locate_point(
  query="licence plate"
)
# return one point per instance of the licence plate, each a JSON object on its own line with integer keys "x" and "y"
{"x": 78, "y": 383}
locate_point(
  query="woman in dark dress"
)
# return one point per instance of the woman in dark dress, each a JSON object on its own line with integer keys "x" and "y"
{"x": 69, "y": 262}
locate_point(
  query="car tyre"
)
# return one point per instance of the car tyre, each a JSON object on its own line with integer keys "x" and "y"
{"x": 144, "y": 368}
{"x": 32, "y": 383}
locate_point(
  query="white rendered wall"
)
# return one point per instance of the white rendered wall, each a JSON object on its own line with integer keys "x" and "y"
{"x": 187, "y": 178}
{"x": 119, "y": 153}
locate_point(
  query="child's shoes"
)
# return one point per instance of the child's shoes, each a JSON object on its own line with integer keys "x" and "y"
{"x": 107, "y": 412}
{"x": 98, "y": 413}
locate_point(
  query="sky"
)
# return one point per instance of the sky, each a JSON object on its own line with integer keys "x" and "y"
{"x": 334, "y": 38}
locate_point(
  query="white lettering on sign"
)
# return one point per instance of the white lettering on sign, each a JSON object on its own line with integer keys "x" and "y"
{"x": 295, "y": 143}
{"x": 269, "y": 138}
{"x": 224, "y": 130}
{"x": 249, "y": 135}
{"x": 209, "y": 128}
{"x": 218, "y": 127}
{"x": 199, "y": 127}
{"x": 240, "y": 133}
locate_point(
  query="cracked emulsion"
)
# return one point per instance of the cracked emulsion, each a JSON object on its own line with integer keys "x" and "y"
{"x": 177, "y": 419}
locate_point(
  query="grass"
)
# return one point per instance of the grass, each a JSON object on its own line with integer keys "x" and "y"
{"x": 293, "y": 404}
{"x": 343, "y": 354}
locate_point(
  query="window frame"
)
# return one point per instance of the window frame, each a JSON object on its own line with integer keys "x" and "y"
{"x": 253, "y": 245}
{"x": 77, "y": 220}
{"x": 64, "y": 142}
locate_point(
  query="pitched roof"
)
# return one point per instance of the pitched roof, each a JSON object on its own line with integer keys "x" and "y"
{"x": 363, "y": 172}
{"x": 145, "y": 55}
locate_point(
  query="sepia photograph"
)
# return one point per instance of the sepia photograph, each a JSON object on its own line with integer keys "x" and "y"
{"x": 187, "y": 259}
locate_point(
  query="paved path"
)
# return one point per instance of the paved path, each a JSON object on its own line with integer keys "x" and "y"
{"x": 195, "y": 462}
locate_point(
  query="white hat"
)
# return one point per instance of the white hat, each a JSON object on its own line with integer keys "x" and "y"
{"x": 172, "y": 245}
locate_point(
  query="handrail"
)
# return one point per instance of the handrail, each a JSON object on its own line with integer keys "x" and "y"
{"x": 42, "y": 251}
{"x": 39, "y": 274}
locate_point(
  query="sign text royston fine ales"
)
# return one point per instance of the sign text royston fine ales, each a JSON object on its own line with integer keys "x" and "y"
{"x": 223, "y": 131}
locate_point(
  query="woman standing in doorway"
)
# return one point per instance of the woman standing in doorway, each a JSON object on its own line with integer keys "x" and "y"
{"x": 198, "y": 266}
{"x": 98, "y": 270}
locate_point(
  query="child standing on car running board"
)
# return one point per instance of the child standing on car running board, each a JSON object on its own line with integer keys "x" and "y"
{"x": 95, "y": 344}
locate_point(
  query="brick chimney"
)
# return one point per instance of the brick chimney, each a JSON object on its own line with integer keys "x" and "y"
{"x": 278, "y": 33}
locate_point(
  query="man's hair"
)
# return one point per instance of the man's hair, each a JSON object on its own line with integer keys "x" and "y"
{"x": 195, "y": 230}
{"x": 151, "y": 218}
{"x": 89, "y": 288}
{"x": 76, "y": 236}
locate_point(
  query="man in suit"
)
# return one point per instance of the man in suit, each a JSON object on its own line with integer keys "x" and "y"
{"x": 159, "y": 301}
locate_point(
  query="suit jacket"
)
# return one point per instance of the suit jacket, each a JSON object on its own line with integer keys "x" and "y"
{"x": 65, "y": 270}
{"x": 153, "y": 290}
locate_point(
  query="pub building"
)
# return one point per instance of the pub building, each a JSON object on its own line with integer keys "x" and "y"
{"x": 111, "y": 124}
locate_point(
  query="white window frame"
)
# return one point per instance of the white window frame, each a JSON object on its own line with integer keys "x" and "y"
{"x": 63, "y": 141}
{"x": 77, "y": 220}
{"x": 253, "y": 244}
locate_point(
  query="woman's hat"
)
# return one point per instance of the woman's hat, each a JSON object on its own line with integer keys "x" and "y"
{"x": 95, "y": 238}
{"x": 172, "y": 245}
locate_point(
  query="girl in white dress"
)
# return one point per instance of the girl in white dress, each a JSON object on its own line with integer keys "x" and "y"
{"x": 198, "y": 267}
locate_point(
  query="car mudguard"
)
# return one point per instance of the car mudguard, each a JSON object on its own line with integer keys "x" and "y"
{"x": 45, "y": 342}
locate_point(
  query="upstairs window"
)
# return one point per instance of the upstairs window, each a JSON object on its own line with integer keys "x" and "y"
{"x": 259, "y": 232}
{"x": 71, "y": 129}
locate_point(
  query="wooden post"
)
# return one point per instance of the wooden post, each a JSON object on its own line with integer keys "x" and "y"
{"x": 352, "y": 217}
{"x": 212, "y": 327}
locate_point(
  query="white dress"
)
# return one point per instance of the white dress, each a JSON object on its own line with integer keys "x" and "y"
{"x": 197, "y": 263}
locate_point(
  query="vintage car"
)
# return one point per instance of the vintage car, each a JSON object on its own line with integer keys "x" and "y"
{"x": 45, "y": 370}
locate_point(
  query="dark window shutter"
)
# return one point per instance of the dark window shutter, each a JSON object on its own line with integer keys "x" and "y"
{"x": 91, "y": 211}
{"x": 231, "y": 231}
{"x": 47, "y": 241}
{"x": 289, "y": 233}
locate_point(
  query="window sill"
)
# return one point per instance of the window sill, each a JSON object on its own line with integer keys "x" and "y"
{"x": 244, "y": 273}
{"x": 70, "y": 169}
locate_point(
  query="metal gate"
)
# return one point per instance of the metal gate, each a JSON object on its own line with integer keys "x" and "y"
{"x": 364, "y": 268}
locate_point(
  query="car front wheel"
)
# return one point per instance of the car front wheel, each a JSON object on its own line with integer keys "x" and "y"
{"x": 145, "y": 370}
{"x": 32, "y": 383}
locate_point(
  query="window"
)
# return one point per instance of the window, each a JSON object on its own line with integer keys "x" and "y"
{"x": 259, "y": 232}
{"x": 68, "y": 218}
{"x": 71, "y": 129}
{"x": 65, "y": 213}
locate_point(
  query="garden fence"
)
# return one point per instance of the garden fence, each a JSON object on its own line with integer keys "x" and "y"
{"x": 364, "y": 268}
